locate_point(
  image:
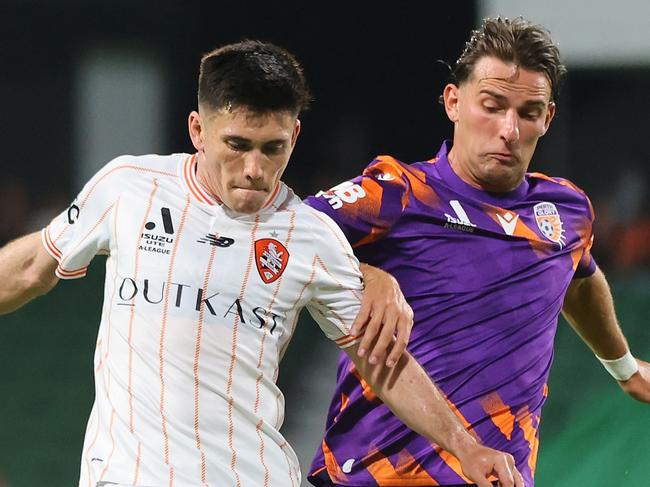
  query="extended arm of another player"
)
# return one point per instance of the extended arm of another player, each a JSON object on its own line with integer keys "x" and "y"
{"x": 388, "y": 317}
{"x": 589, "y": 308}
{"x": 26, "y": 272}
{"x": 409, "y": 393}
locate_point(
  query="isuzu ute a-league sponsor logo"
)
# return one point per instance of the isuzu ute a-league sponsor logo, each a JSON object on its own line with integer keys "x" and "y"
{"x": 151, "y": 292}
{"x": 461, "y": 220}
{"x": 157, "y": 242}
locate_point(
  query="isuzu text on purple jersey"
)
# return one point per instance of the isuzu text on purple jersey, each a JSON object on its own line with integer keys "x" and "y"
{"x": 486, "y": 276}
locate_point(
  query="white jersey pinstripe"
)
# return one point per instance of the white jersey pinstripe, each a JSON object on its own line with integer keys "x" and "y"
{"x": 199, "y": 306}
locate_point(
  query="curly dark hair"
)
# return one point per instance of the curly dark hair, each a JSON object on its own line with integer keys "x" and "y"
{"x": 517, "y": 41}
{"x": 255, "y": 75}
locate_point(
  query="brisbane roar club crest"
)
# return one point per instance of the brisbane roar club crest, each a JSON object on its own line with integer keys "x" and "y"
{"x": 271, "y": 258}
{"x": 549, "y": 222}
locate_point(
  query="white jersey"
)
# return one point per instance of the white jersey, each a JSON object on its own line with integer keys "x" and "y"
{"x": 199, "y": 305}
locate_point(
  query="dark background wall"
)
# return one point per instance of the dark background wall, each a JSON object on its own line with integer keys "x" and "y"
{"x": 376, "y": 76}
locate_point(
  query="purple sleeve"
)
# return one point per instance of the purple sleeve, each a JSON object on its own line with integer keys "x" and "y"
{"x": 366, "y": 207}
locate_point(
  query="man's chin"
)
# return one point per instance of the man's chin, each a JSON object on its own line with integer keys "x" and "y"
{"x": 246, "y": 206}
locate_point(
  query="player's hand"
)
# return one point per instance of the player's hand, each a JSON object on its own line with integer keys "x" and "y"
{"x": 638, "y": 386}
{"x": 387, "y": 316}
{"x": 480, "y": 463}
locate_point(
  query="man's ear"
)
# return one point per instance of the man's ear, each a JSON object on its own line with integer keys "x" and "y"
{"x": 296, "y": 131}
{"x": 549, "y": 117}
{"x": 195, "y": 128}
{"x": 450, "y": 98}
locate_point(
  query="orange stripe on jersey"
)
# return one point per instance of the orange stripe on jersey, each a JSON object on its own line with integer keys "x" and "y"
{"x": 500, "y": 413}
{"x": 91, "y": 445}
{"x": 375, "y": 234}
{"x": 92, "y": 188}
{"x": 450, "y": 460}
{"x": 195, "y": 367}
{"x": 366, "y": 390}
{"x": 138, "y": 459}
{"x": 416, "y": 178}
{"x": 266, "y": 469}
{"x": 346, "y": 339}
{"x": 525, "y": 422}
{"x": 189, "y": 171}
{"x": 312, "y": 276}
{"x": 163, "y": 330}
{"x": 110, "y": 456}
{"x": 333, "y": 468}
{"x": 116, "y": 215}
{"x": 66, "y": 274}
{"x": 292, "y": 225}
{"x": 340, "y": 285}
{"x": 545, "y": 392}
{"x": 561, "y": 182}
{"x": 370, "y": 205}
{"x": 273, "y": 195}
{"x": 136, "y": 268}
{"x": 345, "y": 400}
{"x": 408, "y": 469}
{"x": 336, "y": 234}
{"x": 233, "y": 353}
{"x": 541, "y": 247}
{"x": 80, "y": 242}
{"x": 584, "y": 231}
{"x": 50, "y": 245}
{"x": 453, "y": 463}
{"x": 286, "y": 457}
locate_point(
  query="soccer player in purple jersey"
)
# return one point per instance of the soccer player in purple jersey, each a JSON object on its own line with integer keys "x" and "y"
{"x": 487, "y": 256}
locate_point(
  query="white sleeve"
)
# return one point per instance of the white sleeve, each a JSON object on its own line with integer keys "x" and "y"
{"x": 83, "y": 230}
{"x": 337, "y": 286}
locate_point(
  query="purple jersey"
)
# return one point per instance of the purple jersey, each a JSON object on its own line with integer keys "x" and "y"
{"x": 486, "y": 276}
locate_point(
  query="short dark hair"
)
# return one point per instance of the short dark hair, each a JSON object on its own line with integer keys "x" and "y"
{"x": 255, "y": 75}
{"x": 517, "y": 41}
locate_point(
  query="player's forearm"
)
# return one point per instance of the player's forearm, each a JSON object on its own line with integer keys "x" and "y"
{"x": 26, "y": 271}
{"x": 409, "y": 393}
{"x": 589, "y": 308}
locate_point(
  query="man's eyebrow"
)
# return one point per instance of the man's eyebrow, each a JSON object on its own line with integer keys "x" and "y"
{"x": 236, "y": 138}
{"x": 502, "y": 98}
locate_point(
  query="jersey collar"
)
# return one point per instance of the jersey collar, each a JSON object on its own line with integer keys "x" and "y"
{"x": 450, "y": 177}
{"x": 191, "y": 183}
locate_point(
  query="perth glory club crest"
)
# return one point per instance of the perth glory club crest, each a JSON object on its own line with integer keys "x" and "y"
{"x": 271, "y": 258}
{"x": 549, "y": 222}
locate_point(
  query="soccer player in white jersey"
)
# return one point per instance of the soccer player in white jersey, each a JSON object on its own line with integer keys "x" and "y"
{"x": 210, "y": 259}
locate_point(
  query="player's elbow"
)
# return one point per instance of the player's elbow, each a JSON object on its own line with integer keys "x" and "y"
{"x": 38, "y": 282}
{"x": 23, "y": 288}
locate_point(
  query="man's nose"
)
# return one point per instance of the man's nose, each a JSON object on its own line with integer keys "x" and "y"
{"x": 510, "y": 127}
{"x": 253, "y": 164}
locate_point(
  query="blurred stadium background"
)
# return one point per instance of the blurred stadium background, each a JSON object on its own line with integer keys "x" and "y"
{"x": 84, "y": 81}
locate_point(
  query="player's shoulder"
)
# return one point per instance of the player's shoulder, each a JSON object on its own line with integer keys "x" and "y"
{"x": 316, "y": 223}
{"x": 161, "y": 165}
{"x": 389, "y": 168}
{"x": 558, "y": 189}
{"x": 559, "y": 184}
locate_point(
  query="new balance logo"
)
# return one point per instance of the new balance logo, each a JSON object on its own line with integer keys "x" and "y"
{"x": 508, "y": 221}
{"x": 216, "y": 240}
